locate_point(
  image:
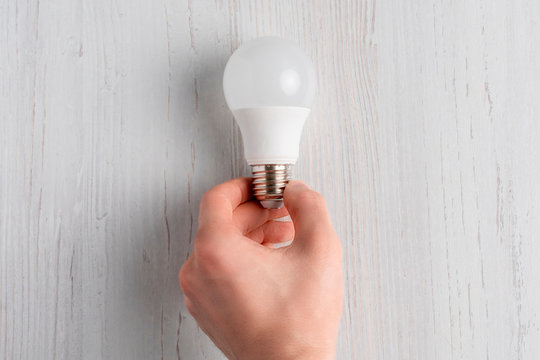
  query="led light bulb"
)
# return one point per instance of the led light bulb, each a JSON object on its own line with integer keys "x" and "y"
{"x": 269, "y": 84}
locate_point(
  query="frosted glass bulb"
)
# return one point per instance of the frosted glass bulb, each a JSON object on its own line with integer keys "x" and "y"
{"x": 269, "y": 84}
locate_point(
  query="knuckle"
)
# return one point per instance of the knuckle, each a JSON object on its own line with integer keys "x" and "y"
{"x": 322, "y": 248}
{"x": 190, "y": 307}
{"x": 326, "y": 247}
{"x": 212, "y": 258}
{"x": 211, "y": 195}
{"x": 312, "y": 198}
{"x": 184, "y": 277}
{"x": 308, "y": 200}
{"x": 205, "y": 252}
{"x": 206, "y": 198}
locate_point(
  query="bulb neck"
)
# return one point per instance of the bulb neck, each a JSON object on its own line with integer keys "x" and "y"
{"x": 269, "y": 181}
{"x": 271, "y": 135}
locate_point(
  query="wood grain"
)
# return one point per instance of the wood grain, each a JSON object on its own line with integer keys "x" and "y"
{"x": 423, "y": 139}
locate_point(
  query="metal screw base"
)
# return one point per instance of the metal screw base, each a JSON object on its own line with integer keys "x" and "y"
{"x": 269, "y": 182}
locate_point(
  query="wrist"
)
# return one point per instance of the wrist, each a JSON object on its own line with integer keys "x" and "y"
{"x": 292, "y": 352}
{"x": 314, "y": 355}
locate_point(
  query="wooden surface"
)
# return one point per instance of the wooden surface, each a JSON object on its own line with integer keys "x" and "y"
{"x": 424, "y": 139}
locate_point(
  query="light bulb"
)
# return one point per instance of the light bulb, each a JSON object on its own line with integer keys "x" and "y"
{"x": 269, "y": 84}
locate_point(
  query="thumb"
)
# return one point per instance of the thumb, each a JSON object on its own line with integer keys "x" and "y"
{"x": 312, "y": 225}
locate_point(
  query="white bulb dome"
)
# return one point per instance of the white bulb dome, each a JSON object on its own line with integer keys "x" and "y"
{"x": 268, "y": 72}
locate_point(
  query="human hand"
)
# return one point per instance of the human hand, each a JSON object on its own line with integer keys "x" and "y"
{"x": 260, "y": 302}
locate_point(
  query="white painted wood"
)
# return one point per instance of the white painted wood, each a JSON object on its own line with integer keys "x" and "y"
{"x": 424, "y": 140}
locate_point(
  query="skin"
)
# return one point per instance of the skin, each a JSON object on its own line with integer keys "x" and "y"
{"x": 256, "y": 301}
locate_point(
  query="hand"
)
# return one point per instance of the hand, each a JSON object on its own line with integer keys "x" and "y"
{"x": 260, "y": 302}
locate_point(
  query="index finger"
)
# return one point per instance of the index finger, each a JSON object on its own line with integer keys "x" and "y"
{"x": 218, "y": 203}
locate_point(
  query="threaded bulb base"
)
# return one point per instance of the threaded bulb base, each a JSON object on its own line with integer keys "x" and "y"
{"x": 269, "y": 181}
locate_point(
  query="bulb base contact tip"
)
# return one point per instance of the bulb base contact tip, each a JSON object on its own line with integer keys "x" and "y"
{"x": 269, "y": 181}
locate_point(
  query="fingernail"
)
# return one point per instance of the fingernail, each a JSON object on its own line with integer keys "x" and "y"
{"x": 297, "y": 184}
{"x": 284, "y": 219}
{"x": 283, "y": 244}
